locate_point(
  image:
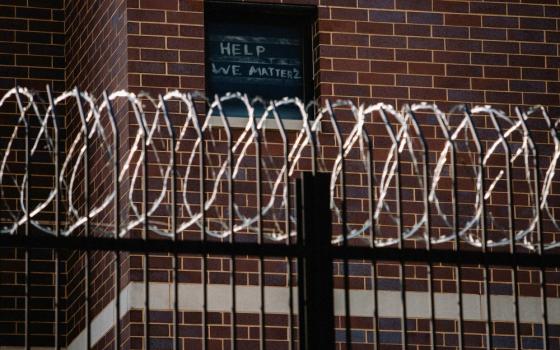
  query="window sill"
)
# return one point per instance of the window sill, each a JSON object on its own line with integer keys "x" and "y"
{"x": 238, "y": 122}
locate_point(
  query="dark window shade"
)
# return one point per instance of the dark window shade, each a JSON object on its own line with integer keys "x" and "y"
{"x": 260, "y": 50}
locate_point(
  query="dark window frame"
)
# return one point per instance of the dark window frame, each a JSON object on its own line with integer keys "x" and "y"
{"x": 277, "y": 14}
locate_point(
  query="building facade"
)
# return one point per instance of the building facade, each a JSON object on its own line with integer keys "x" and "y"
{"x": 504, "y": 54}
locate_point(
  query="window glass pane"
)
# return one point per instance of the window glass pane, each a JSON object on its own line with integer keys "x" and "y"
{"x": 260, "y": 55}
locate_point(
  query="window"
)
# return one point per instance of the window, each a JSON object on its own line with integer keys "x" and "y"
{"x": 260, "y": 50}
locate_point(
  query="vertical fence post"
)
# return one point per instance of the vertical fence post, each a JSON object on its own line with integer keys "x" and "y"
{"x": 317, "y": 307}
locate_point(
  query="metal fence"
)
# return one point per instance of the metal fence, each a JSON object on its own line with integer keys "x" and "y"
{"x": 414, "y": 185}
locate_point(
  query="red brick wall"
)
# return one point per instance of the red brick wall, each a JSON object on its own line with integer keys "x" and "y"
{"x": 32, "y": 56}
{"x": 447, "y": 52}
{"x": 32, "y": 44}
{"x": 166, "y": 45}
{"x": 396, "y": 51}
{"x": 444, "y": 51}
{"x": 96, "y": 56}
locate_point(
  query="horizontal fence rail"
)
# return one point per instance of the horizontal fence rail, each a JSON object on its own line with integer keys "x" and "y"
{"x": 132, "y": 173}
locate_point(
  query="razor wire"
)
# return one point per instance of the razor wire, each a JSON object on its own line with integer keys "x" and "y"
{"x": 264, "y": 122}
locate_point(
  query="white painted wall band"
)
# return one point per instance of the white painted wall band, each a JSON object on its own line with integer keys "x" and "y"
{"x": 277, "y": 301}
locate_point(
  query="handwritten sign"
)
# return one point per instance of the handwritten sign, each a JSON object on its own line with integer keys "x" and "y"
{"x": 257, "y": 59}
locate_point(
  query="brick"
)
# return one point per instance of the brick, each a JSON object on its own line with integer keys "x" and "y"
{"x": 190, "y": 18}
{"x": 58, "y": 39}
{"x": 376, "y": 78}
{"x": 146, "y": 15}
{"x": 185, "y": 44}
{"x": 414, "y": 80}
{"x": 451, "y": 6}
{"x": 500, "y": 47}
{"x": 527, "y": 86}
{"x": 426, "y": 43}
{"x": 159, "y": 55}
{"x": 28, "y": 12}
{"x": 413, "y": 5}
{"x": 488, "y": 33}
{"x": 451, "y": 83}
{"x": 37, "y": 61}
{"x": 357, "y": 65}
{"x": 552, "y": 11}
{"x": 500, "y": 22}
{"x": 374, "y": 28}
{"x": 15, "y": 2}
{"x": 525, "y": 35}
{"x": 50, "y": 4}
{"x": 388, "y": 67}
{"x": 7, "y": 35}
{"x": 540, "y": 73}
{"x": 387, "y": 41}
{"x": 46, "y": 26}
{"x": 337, "y": 26}
{"x": 553, "y": 87}
{"x": 541, "y": 23}
{"x": 526, "y": 61}
{"x": 325, "y": 89}
{"x": 464, "y": 70}
{"x": 502, "y": 72}
{"x": 488, "y": 59}
{"x": 350, "y": 39}
{"x": 501, "y": 97}
{"x": 133, "y": 28}
{"x": 339, "y": 77}
{"x": 191, "y": 31}
{"x": 488, "y": 8}
{"x": 451, "y": 57}
{"x": 191, "y": 56}
{"x": 490, "y": 84}
{"x": 553, "y": 62}
{"x": 382, "y": 4}
{"x": 426, "y": 68}
{"x": 351, "y": 90}
{"x": 553, "y": 37}
{"x": 185, "y": 69}
{"x": 540, "y": 98}
{"x": 146, "y": 41}
{"x": 17, "y": 23}
{"x": 412, "y": 29}
{"x": 424, "y": 18}
{"x": 525, "y": 10}
{"x": 389, "y": 92}
{"x": 413, "y": 55}
{"x": 34, "y": 37}
{"x": 337, "y": 51}
{"x": 462, "y": 20}
{"x": 133, "y": 54}
{"x": 463, "y": 45}
{"x": 193, "y": 5}
{"x": 45, "y": 73}
{"x": 450, "y": 32}
{"x": 343, "y": 3}
{"x": 387, "y": 16}
{"x": 159, "y": 29}
{"x": 146, "y": 67}
{"x": 349, "y": 14}
{"x": 7, "y": 59}
{"x": 539, "y": 49}
{"x": 158, "y": 5}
